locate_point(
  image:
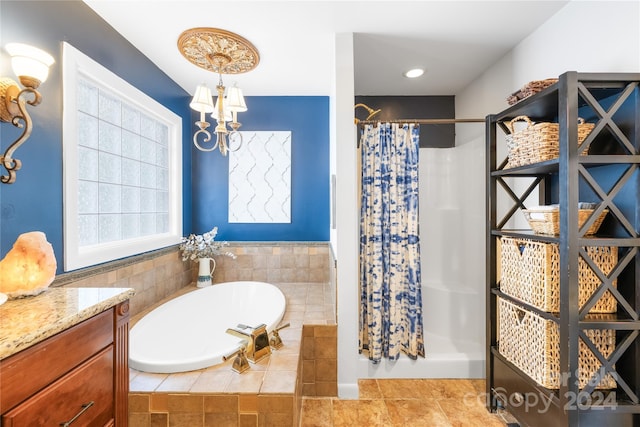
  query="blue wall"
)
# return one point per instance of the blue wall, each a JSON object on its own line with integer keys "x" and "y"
{"x": 34, "y": 201}
{"x": 308, "y": 120}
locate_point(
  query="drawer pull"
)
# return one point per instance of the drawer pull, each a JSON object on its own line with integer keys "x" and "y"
{"x": 82, "y": 411}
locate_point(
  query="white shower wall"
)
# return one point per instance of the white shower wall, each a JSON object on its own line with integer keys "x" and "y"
{"x": 452, "y": 206}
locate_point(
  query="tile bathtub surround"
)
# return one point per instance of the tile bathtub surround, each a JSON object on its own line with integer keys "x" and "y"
{"x": 158, "y": 274}
{"x": 274, "y": 262}
{"x": 405, "y": 403}
{"x": 319, "y": 360}
{"x": 153, "y": 276}
{"x": 267, "y": 395}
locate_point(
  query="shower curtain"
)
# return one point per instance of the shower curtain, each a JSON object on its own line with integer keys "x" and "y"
{"x": 390, "y": 289}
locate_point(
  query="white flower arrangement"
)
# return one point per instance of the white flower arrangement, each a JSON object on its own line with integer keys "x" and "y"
{"x": 203, "y": 246}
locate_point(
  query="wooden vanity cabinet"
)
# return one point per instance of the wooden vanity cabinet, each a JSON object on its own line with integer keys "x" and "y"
{"x": 78, "y": 377}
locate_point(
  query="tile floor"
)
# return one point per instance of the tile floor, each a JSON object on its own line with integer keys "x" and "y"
{"x": 404, "y": 403}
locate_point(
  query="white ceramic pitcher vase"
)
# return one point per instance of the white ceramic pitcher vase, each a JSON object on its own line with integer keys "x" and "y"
{"x": 206, "y": 267}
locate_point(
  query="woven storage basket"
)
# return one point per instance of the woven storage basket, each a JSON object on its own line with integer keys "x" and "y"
{"x": 532, "y": 343}
{"x": 530, "y": 273}
{"x": 529, "y": 89}
{"x": 538, "y": 142}
{"x": 544, "y": 220}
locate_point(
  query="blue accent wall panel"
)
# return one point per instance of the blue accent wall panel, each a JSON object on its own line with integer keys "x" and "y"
{"x": 34, "y": 201}
{"x": 307, "y": 117}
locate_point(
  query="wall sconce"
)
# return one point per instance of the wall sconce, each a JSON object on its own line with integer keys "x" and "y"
{"x": 31, "y": 65}
{"x": 221, "y": 52}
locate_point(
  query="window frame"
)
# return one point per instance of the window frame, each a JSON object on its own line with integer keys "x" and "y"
{"x": 77, "y": 65}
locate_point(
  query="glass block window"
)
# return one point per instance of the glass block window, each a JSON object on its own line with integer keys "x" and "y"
{"x": 122, "y": 157}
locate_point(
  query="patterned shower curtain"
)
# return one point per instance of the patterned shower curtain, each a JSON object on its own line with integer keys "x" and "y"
{"x": 390, "y": 292}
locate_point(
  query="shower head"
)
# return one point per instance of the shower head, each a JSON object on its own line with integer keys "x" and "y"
{"x": 370, "y": 110}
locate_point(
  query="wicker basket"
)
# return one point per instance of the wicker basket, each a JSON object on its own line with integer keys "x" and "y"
{"x": 529, "y": 89}
{"x": 530, "y": 273}
{"x": 538, "y": 142}
{"x": 532, "y": 343}
{"x": 546, "y": 220}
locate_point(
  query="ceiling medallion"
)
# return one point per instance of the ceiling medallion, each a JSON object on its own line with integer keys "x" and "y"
{"x": 217, "y": 50}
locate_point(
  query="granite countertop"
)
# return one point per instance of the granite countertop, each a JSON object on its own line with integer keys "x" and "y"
{"x": 27, "y": 321}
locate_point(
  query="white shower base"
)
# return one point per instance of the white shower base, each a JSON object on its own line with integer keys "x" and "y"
{"x": 445, "y": 358}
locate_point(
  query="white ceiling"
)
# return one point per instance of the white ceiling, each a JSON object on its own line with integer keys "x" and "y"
{"x": 454, "y": 40}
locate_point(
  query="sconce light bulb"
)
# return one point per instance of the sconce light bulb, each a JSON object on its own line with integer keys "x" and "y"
{"x": 30, "y": 64}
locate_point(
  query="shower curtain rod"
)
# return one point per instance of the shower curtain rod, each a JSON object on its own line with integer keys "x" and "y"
{"x": 423, "y": 121}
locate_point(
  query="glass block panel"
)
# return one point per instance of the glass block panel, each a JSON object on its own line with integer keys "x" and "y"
{"x": 162, "y": 223}
{"x": 87, "y": 97}
{"x": 88, "y": 229}
{"x": 130, "y": 199}
{"x": 110, "y": 138}
{"x": 147, "y": 224}
{"x": 148, "y": 151}
{"x": 147, "y": 200}
{"x": 110, "y": 198}
{"x": 162, "y": 134}
{"x": 130, "y": 145}
{"x": 147, "y": 127}
{"x": 130, "y": 226}
{"x": 162, "y": 176}
{"x": 87, "y": 130}
{"x": 109, "y": 228}
{"x": 109, "y": 168}
{"x": 162, "y": 156}
{"x": 110, "y": 109}
{"x": 130, "y": 119}
{"x": 87, "y": 197}
{"x": 147, "y": 175}
{"x": 87, "y": 164}
{"x": 162, "y": 201}
{"x": 130, "y": 172}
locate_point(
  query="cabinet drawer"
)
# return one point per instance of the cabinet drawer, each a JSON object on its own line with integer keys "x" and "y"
{"x": 64, "y": 399}
{"x": 28, "y": 371}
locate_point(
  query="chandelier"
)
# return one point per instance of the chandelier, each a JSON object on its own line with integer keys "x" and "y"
{"x": 221, "y": 52}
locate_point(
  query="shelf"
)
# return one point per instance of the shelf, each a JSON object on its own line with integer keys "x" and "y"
{"x": 536, "y": 106}
{"x": 582, "y": 241}
{"x": 609, "y": 174}
{"x": 544, "y": 314}
{"x": 544, "y": 104}
{"x": 603, "y": 160}
{"x": 525, "y": 234}
{"x": 542, "y": 168}
{"x": 553, "y": 166}
{"x": 614, "y": 323}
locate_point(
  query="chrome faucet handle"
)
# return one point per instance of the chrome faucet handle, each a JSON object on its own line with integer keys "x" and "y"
{"x": 276, "y": 341}
{"x": 240, "y": 363}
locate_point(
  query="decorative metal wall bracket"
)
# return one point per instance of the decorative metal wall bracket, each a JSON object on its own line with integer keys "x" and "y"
{"x": 13, "y": 110}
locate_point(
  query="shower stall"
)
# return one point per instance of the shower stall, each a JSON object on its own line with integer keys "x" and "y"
{"x": 452, "y": 215}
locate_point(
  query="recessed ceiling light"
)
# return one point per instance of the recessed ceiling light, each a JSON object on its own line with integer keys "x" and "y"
{"x": 413, "y": 73}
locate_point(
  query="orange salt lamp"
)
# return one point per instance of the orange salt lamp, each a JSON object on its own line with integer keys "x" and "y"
{"x": 29, "y": 267}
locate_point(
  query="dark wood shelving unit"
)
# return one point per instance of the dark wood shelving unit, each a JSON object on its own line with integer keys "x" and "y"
{"x": 608, "y": 174}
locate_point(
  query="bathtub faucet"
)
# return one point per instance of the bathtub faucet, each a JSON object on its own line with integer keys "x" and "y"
{"x": 240, "y": 363}
{"x": 257, "y": 340}
{"x": 276, "y": 341}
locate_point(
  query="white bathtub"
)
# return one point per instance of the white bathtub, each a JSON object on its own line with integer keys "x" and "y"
{"x": 189, "y": 332}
